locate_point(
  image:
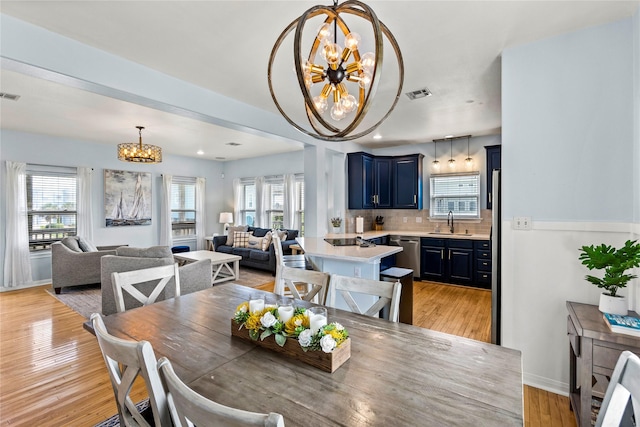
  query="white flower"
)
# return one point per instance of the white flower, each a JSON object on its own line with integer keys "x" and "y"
{"x": 268, "y": 320}
{"x": 305, "y": 338}
{"x": 243, "y": 309}
{"x": 327, "y": 343}
{"x": 338, "y": 326}
{"x": 297, "y": 322}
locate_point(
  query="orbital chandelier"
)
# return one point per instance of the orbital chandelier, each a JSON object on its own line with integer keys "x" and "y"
{"x": 138, "y": 152}
{"x": 336, "y": 80}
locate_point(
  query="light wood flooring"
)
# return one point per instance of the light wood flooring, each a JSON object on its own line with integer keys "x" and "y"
{"x": 52, "y": 372}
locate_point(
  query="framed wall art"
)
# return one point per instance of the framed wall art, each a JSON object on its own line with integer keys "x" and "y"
{"x": 127, "y": 198}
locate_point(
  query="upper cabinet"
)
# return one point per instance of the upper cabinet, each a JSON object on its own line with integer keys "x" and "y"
{"x": 493, "y": 162}
{"x": 384, "y": 182}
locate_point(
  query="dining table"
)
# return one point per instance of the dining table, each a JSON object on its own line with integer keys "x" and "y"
{"x": 397, "y": 374}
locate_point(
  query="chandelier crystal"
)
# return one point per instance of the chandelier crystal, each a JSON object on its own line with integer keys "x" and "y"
{"x": 337, "y": 82}
{"x": 139, "y": 152}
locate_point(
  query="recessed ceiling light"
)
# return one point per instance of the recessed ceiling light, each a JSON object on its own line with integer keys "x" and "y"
{"x": 200, "y": 153}
{"x": 377, "y": 136}
{"x": 448, "y": 136}
{"x": 233, "y": 144}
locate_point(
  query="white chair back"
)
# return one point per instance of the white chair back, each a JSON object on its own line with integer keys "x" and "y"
{"x": 126, "y": 360}
{"x": 625, "y": 384}
{"x": 316, "y": 284}
{"x": 127, "y": 281}
{"x": 389, "y": 293}
{"x": 189, "y": 408}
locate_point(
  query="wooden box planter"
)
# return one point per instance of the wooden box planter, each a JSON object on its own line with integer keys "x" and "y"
{"x": 328, "y": 362}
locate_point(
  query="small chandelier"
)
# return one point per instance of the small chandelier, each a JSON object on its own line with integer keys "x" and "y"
{"x": 468, "y": 161}
{"x": 139, "y": 153}
{"x": 327, "y": 85}
{"x": 436, "y": 164}
{"x": 452, "y": 162}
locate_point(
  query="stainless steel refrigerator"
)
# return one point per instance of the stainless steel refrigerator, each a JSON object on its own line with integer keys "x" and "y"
{"x": 496, "y": 223}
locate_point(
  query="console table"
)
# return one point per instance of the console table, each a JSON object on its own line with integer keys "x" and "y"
{"x": 593, "y": 353}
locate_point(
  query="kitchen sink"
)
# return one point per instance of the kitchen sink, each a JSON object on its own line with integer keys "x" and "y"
{"x": 442, "y": 233}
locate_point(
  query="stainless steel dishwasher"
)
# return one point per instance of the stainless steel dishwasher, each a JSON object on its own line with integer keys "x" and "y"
{"x": 410, "y": 255}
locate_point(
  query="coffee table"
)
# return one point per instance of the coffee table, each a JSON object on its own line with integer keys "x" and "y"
{"x": 221, "y": 270}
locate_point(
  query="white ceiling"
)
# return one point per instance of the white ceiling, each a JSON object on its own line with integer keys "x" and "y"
{"x": 451, "y": 47}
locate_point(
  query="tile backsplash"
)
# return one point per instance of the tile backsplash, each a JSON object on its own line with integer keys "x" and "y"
{"x": 416, "y": 220}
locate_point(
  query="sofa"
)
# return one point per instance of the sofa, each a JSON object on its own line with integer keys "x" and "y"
{"x": 193, "y": 277}
{"x": 255, "y": 257}
{"x": 75, "y": 261}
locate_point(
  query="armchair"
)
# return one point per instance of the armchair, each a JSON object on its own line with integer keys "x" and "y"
{"x": 73, "y": 267}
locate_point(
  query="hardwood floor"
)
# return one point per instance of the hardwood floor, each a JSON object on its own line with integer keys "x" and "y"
{"x": 52, "y": 372}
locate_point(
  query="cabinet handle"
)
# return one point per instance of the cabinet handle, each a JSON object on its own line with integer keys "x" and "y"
{"x": 489, "y": 197}
{"x": 442, "y": 253}
{"x": 377, "y": 199}
{"x": 449, "y": 253}
{"x": 414, "y": 199}
{"x": 373, "y": 199}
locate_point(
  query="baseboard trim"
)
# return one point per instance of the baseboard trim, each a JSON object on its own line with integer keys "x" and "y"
{"x": 547, "y": 384}
{"x": 25, "y": 286}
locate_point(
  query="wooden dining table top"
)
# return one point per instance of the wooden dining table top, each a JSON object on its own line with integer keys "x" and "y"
{"x": 398, "y": 374}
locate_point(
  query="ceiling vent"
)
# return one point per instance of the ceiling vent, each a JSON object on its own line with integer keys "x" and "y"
{"x": 420, "y": 93}
{"x": 9, "y": 96}
{"x": 233, "y": 144}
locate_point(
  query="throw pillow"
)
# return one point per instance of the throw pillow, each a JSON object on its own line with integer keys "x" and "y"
{"x": 282, "y": 234}
{"x": 86, "y": 245}
{"x": 255, "y": 242}
{"x": 71, "y": 242}
{"x": 232, "y": 230}
{"x": 241, "y": 239}
{"x": 266, "y": 241}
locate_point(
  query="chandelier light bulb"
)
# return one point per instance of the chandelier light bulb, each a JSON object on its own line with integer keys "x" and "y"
{"x": 435, "y": 165}
{"x": 320, "y": 103}
{"x": 351, "y": 41}
{"x": 337, "y": 112}
{"x": 325, "y": 32}
{"x": 365, "y": 79}
{"x": 368, "y": 61}
{"x": 308, "y": 80}
{"x": 331, "y": 53}
{"x": 349, "y": 103}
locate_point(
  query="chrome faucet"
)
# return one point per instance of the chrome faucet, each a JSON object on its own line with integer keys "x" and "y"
{"x": 450, "y": 218}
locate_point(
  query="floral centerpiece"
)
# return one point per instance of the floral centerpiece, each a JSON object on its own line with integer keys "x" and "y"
{"x": 266, "y": 322}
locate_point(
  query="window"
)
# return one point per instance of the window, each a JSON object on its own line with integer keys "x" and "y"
{"x": 248, "y": 208}
{"x": 51, "y": 205}
{"x": 274, "y": 188}
{"x": 183, "y": 207}
{"x": 458, "y": 193}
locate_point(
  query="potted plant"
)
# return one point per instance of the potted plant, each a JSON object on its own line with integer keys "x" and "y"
{"x": 336, "y": 223}
{"x": 615, "y": 263}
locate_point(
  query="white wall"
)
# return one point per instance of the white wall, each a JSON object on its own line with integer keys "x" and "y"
{"x": 49, "y": 150}
{"x": 568, "y": 162}
{"x": 636, "y": 115}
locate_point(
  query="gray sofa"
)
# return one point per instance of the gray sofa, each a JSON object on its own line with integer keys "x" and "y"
{"x": 257, "y": 258}
{"x": 193, "y": 277}
{"x": 72, "y": 266}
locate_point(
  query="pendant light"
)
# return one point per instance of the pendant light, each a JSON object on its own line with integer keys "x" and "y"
{"x": 452, "y": 163}
{"x": 468, "y": 161}
{"x": 436, "y": 164}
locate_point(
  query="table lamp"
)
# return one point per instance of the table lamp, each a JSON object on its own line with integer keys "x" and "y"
{"x": 226, "y": 218}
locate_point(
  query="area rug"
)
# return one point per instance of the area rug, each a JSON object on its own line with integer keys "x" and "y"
{"x": 87, "y": 299}
{"x": 114, "y": 421}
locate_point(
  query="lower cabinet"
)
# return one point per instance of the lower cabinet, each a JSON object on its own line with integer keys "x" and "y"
{"x": 455, "y": 261}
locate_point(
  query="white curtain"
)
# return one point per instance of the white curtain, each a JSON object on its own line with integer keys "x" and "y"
{"x": 261, "y": 204}
{"x": 17, "y": 262}
{"x": 85, "y": 207}
{"x": 237, "y": 201}
{"x": 165, "y": 211}
{"x": 290, "y": 201}
{"x": 200, "y": 218}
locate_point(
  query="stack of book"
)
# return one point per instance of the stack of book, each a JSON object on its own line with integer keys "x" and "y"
{"x": 628, "y": 325}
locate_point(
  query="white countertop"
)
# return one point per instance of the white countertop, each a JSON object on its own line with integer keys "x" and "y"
{"x": 411, "y": 233}
{"x": 316, "y": 246}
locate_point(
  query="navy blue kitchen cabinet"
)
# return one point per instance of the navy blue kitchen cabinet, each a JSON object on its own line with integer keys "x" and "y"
{"x": 455, "y": 261}
{"x": 407, "y": 178}
{"x": 384, "y": 182}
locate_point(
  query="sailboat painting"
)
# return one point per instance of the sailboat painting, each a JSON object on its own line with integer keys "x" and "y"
{"x": 127, "y": 198}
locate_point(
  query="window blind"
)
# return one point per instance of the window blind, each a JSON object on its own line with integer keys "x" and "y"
{"x": 458, "y": 193}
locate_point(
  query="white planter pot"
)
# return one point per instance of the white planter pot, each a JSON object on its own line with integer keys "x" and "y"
{"x": 613, "y": 305}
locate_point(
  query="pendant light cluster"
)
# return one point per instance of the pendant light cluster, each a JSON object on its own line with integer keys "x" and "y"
{"x": 435, "y": 165}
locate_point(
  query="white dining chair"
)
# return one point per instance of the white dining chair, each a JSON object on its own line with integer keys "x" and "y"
{"x": 388, "y": 293}
{"x": 129, "y": 282}
{"x": 314, "y": 283}
{"x": 188, "y": 408}
{"x": 293, "y": 261}
{"x": 624, "y": 385}
{"x": 126, "y": 360}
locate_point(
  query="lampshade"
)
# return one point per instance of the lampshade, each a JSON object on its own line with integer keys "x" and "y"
{"x": 226, "y": 218}
{"x": 337, "y": 81}
{"x": 138, "y": 152}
